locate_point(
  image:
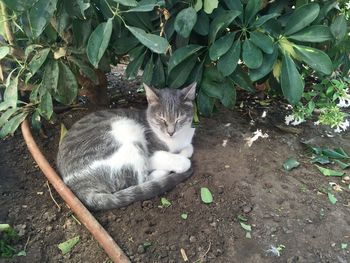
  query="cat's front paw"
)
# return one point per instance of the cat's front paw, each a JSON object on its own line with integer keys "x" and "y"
{"x": 156, "y": 174}
{"x": 187, "y": 152}
{"x": 183, "y": 164}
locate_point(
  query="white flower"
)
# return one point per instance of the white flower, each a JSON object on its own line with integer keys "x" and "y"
{"x": 294, "y": 120}
{"x": 344, "y": 102}
{"x": 342, "y": 126}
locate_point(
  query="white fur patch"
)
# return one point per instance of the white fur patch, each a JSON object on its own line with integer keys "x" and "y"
{"x": 128, "y": 131}
{"x": 179, "y": 140}
{"x": 171, "y": 162}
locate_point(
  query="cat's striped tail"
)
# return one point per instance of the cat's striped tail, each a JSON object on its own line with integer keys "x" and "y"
{"x": 144, "y": 191}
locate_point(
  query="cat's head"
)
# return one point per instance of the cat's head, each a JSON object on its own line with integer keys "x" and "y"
{"x": 170, "y": 110}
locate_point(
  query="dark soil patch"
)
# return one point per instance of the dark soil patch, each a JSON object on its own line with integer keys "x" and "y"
{"x": 288, "y": 208}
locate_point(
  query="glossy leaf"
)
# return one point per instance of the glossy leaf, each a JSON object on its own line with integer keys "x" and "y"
{"x": 146, "y": 6}
{"x": 206, "y": 195}
{"x": 210, "y": 5}
{"x": 266, "y": 66}
{"x": 155, "y": 43}
{"x": 98, "y": 42}
{"x": 67, "y": 88}
{"x": 315, "y": 58}
{"x": 229, "y": 95}
{"x": 148, "y": 71}
{"x": 262, "y": 41}
{"x": 212, "y": 83}
{"x": 253, "y": 6}
{"x": 234, "y": 5}
{"x": 40, "y": 15}
{"x": 263, "y": 19}
{"x": 185, "y": 21}
{"x": 19, "y": 5}
{"x": 252, "y": 55}
{"x": 241, "y": 78}
{"x": 291, "y": 83}
{"x": 220, "y": 23}
{"x": 228, "y": 62}
{"x": 221, "y": 46}
{"x": 202, "y": 25}
{"x": 6, "y": 115}
{"x": 158, "y": 79}
{"x": 181, "y": 54}
{"x": 315, "y": 33}
{"x": 11, "y": 91}
{"x": 301, "y": 18}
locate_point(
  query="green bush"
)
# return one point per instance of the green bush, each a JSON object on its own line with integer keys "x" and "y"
{"x": 47, "y": 44}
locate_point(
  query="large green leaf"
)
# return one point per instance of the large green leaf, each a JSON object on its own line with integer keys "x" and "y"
{"x": 210, "y": 5}
{"x": 19, "y": 5}
{"x": 179, "y": 74}
{"x": 221, "y": 46}
{"x": 241, "y": 78}
{"x": 263, "y": 19}
{"x": 205, "y": 104}
{"x": 220, "y": 23}
{"x": 229, "y": 95}
{"x": 291, "y": 82}
{"x": 67, "y": 88}
{"x": 314, "y": 33}
{"x": 11, "y": 91}
{"x": 234, "y": 5}
{"x": 146, "y": 6}
{"x": 37, "y": 61}
{"x": 45, "y": 106}
{"x": 266, "y": 66}
{"x": 98, "y": 42}
{"x": 301, "y": 18}
{"x": 212, "y": 83}
{"x": 181, "y": 54}
{"x": 262, "y": 41}
{"x": 339, "y": 27}
{"x": 6, "y": 115}
{"x": 81, "y": 32}
{"x": 12, "y": 124}
{"x": 228, "y": 62}
{"x": 158, "y": 78}
{"x": 185, "y": 21}
{"x": 83, "y": 6}
{"x": 252, "y": 55}
{"x": 155, "y": 43}
{"x": 252, "y": 8}
{"x": 50, "y": 78}
{"x": 40, "y": 14}
{"x": 202, "y": 25}
{"x": 4, "y": 51}
{"x": 148, "y": 71}
{"x": 315, "y": 58}
{"x": 131, "y": 3}
{"x": 136, "y": 62}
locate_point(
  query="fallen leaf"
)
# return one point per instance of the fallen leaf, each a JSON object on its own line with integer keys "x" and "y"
{"x": 332, "y": 198}
{"x": 63, "y": 132}
{"x": 165, "y": 202}
{"x": 344, "y": 245}
{"x": 184, "y": 216}
{"x": 342, "y": 165}
{"x": 246, "y": 227}
{"x": 329, "y": 172}
{"x": 206, "y": 195}
{"x": 290, "y": 164}
{"x": 68, "y": 245}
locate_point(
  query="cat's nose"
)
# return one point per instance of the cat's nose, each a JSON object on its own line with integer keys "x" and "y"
{"x": 171, "y": 133}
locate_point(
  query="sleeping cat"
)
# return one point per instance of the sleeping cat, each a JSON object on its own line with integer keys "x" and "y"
{"x": 112, "y": 158}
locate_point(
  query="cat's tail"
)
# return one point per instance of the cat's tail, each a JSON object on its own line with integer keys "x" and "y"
{"x": 144, "y": 191}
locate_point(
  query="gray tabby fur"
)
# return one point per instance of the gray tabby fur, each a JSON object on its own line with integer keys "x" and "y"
{"x": 88, "y": 159}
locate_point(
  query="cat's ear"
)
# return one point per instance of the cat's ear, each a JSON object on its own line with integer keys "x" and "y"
{"x": 189, "y": 92}
{"x": 151, "y": 95}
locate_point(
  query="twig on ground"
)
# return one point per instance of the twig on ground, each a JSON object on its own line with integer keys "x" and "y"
{"x": 183, "y": 254}
{"x": 203, "y": 256}
{"x": 53, "y": 199}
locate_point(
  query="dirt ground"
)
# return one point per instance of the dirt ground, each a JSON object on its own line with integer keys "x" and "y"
{"x": 284, "y": 208}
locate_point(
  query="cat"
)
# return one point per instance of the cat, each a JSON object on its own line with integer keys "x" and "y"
{"x": 112, "y": 158}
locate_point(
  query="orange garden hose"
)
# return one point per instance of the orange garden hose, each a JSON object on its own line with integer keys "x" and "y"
{"x": 99, "y": 233}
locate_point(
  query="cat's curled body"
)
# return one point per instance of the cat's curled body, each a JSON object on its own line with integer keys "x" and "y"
{"x": 112, "y": 158}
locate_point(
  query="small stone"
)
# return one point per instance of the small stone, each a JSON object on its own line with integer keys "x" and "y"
{"x": 141, "y": 249}
{"x": 20, "y": 229}
{"x": 48, "y": 228}
{"x": 193, "y": 239}
{"x": 247, "y": 209}
{"x": 213, "y": 224}
{"x": 173, "y": 247}
{"x": 221, "y": 189}
{"x": 50, "y": 216}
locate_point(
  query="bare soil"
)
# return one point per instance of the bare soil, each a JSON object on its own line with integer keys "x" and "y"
{"x": 284, "y": 208}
